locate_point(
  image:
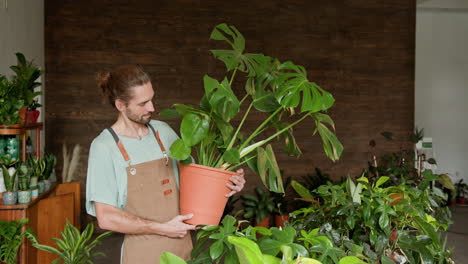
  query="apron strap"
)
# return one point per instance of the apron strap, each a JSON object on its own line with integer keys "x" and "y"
{"x": 161, "y": 145}
{"x": 119, "y": 144}
{"x": 124, "y": 152}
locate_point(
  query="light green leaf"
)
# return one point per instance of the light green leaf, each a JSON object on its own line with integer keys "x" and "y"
{"x": 301, "y": 190}
{"x": 381, "y": 181}
{"x": 269, "y": 170}
{"x": 169, "y": 258}
{"x": 232, "y": 155}
{"x": 179, "y": 150}
{"x": 193, "y": 129}
{"x": 351, "y": 260}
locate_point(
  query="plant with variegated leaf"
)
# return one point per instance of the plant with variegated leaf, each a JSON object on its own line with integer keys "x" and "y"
{"x": 75, "y": 248}
{"x": 279, "y": 91}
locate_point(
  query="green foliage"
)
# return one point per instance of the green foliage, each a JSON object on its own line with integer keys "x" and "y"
{"x": 50, "y": 162}
{"x": 462, "y": 188}
{"x": 38, "y": 166}
{"x": 259, "y": 206}
{"x": 280, "y": 91}
{"x": 75, "y": 248}
{"x": 379, "y": 219}
{"x": 10, "y": 102}
{"x": 11, "y": 238}
{"x": 25, "y": 80}
{"x": 212, "y": 243}
{"x": 227, "y": 244}
{"x": 9, "y": 177}
{"x": 24, "y": 176}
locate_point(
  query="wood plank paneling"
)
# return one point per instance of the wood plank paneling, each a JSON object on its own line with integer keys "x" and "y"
{"x": 360, "y": 50}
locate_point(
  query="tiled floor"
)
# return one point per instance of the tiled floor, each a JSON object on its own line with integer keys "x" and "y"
{"x": 457, "y": 239}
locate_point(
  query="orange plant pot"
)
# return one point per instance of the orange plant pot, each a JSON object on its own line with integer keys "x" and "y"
{"x": 22, "y": 115}
{"x": 281, "y": 219}
{"x": 264, "y": 223}
{"x": 202, "y": 193}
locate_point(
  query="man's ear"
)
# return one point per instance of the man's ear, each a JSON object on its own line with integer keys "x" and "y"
{"x": 120, "y": 105}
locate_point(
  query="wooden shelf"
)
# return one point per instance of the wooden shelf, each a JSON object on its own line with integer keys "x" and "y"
{"x": 47, "y": 216}
{"x": 30, "y": 204}
{"x": 21, "y": 130}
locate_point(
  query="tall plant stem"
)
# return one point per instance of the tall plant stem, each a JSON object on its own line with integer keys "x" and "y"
{"x": 232, "y": 76}
{"x": 239, "y": 127}
{"x": 226, "y": 165}
{"x": 259, "y": 128}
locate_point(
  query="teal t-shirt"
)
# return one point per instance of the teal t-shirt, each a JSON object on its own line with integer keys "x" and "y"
{"x": 107, "y": 177}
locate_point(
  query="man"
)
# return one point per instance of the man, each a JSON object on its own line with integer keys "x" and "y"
{"x": 129, "y": 176}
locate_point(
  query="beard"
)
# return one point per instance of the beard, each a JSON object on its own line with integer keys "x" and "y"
{"x": 143, "y": 119}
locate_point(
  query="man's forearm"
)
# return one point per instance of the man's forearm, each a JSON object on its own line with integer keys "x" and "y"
{"x": 114, "y": 219}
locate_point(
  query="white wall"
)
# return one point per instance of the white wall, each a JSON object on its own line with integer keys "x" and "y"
{"x": 441, "y": 91}
{"x": 21, "y": 30}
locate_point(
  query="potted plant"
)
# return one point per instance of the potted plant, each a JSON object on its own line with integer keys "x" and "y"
{"x": 11, "y": 104}
{"x": 10, "y": 196}
{"x": 75, "y": 248}
{"x": 24, "y": 181}
{"x": 37, "y": 166}
{"x": 462, "y": 190}
{"x": 282, "y": 203}
{"x": 25, "y": 82}
{"x": 33, "y": 114}
{"x": 259, "y": 207}
{"x": 12, "y": 234}
{"x": 50, "y": 162}
{"x": 279, "y": 92}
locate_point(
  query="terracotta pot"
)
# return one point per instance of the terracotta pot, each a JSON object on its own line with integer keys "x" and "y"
{"x": 202, "y": 192}
{"x": 32, "y": 116}
{"x": 22, "y": 115}
{"x": 264, "y": 223}
{"x": 461, "y": 200}
{"x": 281, "y": 219}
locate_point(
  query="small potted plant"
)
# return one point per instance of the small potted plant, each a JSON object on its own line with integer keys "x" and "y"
{"x": 275, "y": 91}
{"x": 24, "y": 181}
{"x": 38, "y": 166}
{"x": 10, "y": 196}
{"x": 462, "y": 190}
{"x": 25, "y": 82}
{"x": 75, "y": 248}
{"x": 33, "y": 114}
{"x": 258, "y": 208}
{"x": 50, "y": 162}
{"x": 282, "y": 203}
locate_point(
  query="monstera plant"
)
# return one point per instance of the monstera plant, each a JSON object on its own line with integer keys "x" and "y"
{"x": 280, "y": 92}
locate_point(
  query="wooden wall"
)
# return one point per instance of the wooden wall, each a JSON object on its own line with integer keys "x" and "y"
{"x": 360, "y": 50}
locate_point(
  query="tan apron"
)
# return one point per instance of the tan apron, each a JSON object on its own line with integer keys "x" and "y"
{"x": 152, "y": 194}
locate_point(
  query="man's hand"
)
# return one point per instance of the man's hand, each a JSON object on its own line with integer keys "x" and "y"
{"x": 176, "y": 227}
{"x": 238, "y": 181}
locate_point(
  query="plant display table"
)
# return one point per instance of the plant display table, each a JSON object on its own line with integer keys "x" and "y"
{"x": 47, "y": 216}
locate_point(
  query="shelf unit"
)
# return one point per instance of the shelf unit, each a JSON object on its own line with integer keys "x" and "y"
{"x": 47, "y": 213}
{"x": 12, "y": 130}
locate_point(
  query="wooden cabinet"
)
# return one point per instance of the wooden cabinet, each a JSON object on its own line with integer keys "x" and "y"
{"x": 47, "y": 216}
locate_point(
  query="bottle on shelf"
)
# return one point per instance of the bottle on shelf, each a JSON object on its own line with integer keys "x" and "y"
{"x": 29, "y": 147}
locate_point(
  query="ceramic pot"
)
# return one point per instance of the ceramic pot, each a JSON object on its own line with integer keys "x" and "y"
{"x": 24, "y": 196}
{"x": 41, "y": 185}
{"x": 47, "y": 185}
{"x": 9, "y": 198}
